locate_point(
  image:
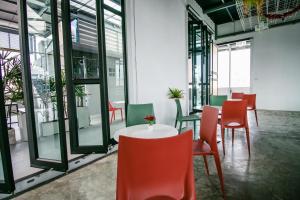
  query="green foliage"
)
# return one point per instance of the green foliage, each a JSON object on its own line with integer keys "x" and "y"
{"x": 12, "y": 76}
{"x": 175, "y": 93}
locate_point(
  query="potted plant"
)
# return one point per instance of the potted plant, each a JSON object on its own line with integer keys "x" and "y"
{"x": 175, "y": 93}
{"x": 12, "y": 84}
{"x": 45, "y": 88}
{"x": 150, "y": 120}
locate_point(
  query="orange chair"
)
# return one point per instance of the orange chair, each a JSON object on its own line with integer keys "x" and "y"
{"x": 237, "y": 95}
{"x": 113, "y": 110}
{"x": 234, "y": 115}
{"x": 156, "y": 168}
{"x": 207, "y": 144}
{"x": 251, "y": 104}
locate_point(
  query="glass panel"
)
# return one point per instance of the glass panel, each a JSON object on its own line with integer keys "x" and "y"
{"x": 88, "y": 109}
{"x": 223, "y": 72}
{"x": 115, "y": 70}
{"x": 1, "y": 169}
{"x": 197, "y": 71}
{"x": 240, "y": 70}
{"x": 84, "y": 40}
{"x": 116, "y": 4}
{"x": 43, "y": 79}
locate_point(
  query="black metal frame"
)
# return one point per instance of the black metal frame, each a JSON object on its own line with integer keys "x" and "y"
{"x": 6, "y": 186}
{"x": 28, "y": 95}
{"x": 102, "y": 80}
{"x": 205, "y": 59}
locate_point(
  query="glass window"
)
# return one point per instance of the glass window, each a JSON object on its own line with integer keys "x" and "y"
{"x": 115, "y": 66}
{"x": 223, "y": 72}
{"x": 116, "y": 4}
{"x": 88, "y": 109}
{"x": 1, "y": 169}
{"x": 43, "y": 79}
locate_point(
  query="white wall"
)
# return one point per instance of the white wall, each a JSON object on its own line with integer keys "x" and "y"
{"x": 157, "y": 53}
{"x": 275, "y": 67}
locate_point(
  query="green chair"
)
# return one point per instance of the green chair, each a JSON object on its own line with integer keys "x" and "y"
{"x": 217, "y": 100}
{"x": 137, "y": 112}
{"x": 180, "y": 118}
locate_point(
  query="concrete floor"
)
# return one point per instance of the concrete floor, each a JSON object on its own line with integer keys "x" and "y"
{"x": 272, "y": 171}
{"x": 48, "y": 147}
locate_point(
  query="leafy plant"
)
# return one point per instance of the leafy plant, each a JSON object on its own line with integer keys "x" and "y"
{"x": 175, "y": 93}
{"x": 11, "y": 77}
{"x": 80, "y": 94}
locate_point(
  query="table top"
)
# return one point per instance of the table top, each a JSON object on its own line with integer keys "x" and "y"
{"x": 144, "y": 131}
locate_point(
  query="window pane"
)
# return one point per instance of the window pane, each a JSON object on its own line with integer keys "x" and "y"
{"x": 115, "y": 69}
{"x": 223, "y": 72}
{"x": 1, "y": 169}
{"x": 88, "y": 109}
{"x": 43, "y": 79}
{"x": 116, "y": 4}
{"x": 240, "y": 70}
{"x": 84, "y": 40}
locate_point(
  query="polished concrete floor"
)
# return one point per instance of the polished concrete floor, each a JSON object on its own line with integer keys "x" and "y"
{"x": 272, "y": 171}
{"x": 49, "y": 147}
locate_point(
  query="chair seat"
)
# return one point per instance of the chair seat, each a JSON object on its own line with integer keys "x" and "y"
{"x": 201, "y": 148}
{"x": 190, "y": 118}
{"x": 233, "y": 125}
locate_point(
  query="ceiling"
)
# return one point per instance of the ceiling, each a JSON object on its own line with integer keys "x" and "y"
{"x": 224, "y": 11}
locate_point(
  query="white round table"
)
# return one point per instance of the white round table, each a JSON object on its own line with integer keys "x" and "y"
{"x": 144, "y": 131}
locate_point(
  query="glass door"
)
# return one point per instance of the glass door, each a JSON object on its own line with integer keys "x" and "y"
{"x": 43, "y": 84}
{"x": 199, "y": 44}
{"x": 6, "y": 173}
{"x": 86, "y": 75}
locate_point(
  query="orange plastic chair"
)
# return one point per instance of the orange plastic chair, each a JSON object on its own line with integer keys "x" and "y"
{"x": 207, "y": 144}
{"x": 156, "y": 168}
{"x": 113, "y": 110}
{"x": 237, "y": 95}
{"x": 234, "y": 115}
{"x": 251, "y": 104}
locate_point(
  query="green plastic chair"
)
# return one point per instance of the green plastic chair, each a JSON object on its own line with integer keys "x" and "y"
{"x": 137, "y": 112}
{"x": 217, "y": 100}
{"x": 180, "y": 118}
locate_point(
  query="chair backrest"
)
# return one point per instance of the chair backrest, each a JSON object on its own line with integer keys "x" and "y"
{"x": 217, "y": 100}
{"x": 110, "y": 106}
{"x": 234, "y": 111}
{"x": 155, "y": 168}
{"x": 251, "y": 100}
{"x": 208, "y": 127}
{"x": 179, "y": 109}
{"x": 137, "y": 112}
{"x": 237, "y": 95}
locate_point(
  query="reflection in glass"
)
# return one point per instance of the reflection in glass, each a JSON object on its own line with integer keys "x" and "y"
{"x": 115, "y": 4}
{"x": 43, "y": 79}
{"x": 115, "y": 70}
{"x": 88, "y": 109}
{"x": 1, "y": 169}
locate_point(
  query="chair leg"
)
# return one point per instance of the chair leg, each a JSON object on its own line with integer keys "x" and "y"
{"x": 194, "y": 129}
{"x": 220, "y": 173}
{"x": 112, "y": 115}
{"x": 223, "y": 142}
{"x": 122, "y": 114}
{"x": 256, "y": 117}
{"x": 232, "y": 136}
{"x": 248, "y": 139}
{"x": 180, "y": 126}
{"x": 206, "y": 165}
